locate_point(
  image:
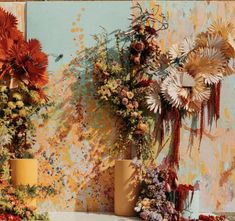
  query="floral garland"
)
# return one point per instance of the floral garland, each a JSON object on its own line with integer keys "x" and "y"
{"x": 152, "y": 92}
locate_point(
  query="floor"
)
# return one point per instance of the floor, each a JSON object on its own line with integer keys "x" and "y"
{"x": 79, "y": 216}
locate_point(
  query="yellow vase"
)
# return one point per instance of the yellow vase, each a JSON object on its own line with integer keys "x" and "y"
{"x": 126, "y": 189}
{"x": 25, "y": 172}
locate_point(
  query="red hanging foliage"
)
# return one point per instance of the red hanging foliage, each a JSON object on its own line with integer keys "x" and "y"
{"x": 175, "y": 155}
{"x": 217, "y": 100}
{"x": 213, "y": 104}
{"x": 201, "y": 125}
{"x": 182, "y": 193}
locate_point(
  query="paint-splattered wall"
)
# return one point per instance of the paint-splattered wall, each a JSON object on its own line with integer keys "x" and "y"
{"x": 72, "y": 143}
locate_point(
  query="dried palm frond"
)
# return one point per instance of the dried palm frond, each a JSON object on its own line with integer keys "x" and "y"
{"x": 187, "y": 45}
{"x": 228, "y": 70}
{"x": 153, "y": 100}
{"x": 222, "y": 28}
{"x": 181, "y": 97}
{"x": 200, "y": 92}
{"x": 174, "y": 52}
{"x": 172, "y": 89}
{"x": 227, "y": 32}
{"x": 208, "y": 62}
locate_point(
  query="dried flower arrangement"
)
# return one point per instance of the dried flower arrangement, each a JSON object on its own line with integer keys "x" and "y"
{"x": 22, "y": 76}
{"x": 163, "y": 198}
{"x": 153, "y": 92}
{"x": 123, "y": 80}
{"x": 13, "y": 200}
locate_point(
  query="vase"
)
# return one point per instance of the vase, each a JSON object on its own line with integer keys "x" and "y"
{"x": 191, "y": 207}
{"x": 126, "y": 188}
{"x": 25, "y": 172}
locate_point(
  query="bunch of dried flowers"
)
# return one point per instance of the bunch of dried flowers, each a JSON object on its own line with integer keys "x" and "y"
{"x": 22, "y": 76}
{"x": 154, "y": 202}
{"x": 153, "y": 92}
{"x": 18, "y": 108}
{"x": 192, "y": 83}
{"x": 162, "y": 198}
{"x": 123, "y": 79}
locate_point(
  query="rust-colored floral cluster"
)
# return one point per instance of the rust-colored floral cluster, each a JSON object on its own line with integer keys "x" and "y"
{"x": 20, "y": 59}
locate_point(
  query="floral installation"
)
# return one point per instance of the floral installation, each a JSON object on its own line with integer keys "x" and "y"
{"x": 13, "y": 200}
{"x": 23, "y": 75}
{"x": 123, "y": 80}
{"x": 152, "y": 92}
{"x": 154, "y": 203}
{"x": 162, "y": 198}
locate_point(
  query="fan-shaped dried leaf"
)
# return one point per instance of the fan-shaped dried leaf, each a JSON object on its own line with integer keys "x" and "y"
{"x": 153, "y": 100}
{"x": 187, "y": 45}
{"x": 208, "y": 62}
{"x": 222, "y": 28}
{"x": 181, "y": 97}
{"x": 174, "y": 52}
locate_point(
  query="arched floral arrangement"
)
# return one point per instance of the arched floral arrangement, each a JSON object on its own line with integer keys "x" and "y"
{"x": 151, "y": 91}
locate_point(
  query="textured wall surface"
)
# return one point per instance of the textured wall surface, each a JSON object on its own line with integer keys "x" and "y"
{"x": 72, "y": 144}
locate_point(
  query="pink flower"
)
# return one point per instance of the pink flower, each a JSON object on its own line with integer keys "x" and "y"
{"x": 124, "y": 101}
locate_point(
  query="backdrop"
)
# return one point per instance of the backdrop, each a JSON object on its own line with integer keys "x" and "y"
{"x": 72, "y": 143}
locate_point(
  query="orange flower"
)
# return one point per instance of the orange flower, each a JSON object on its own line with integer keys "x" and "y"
{"x": 24, "y": 60}
{"x": 29, "y": 63}
{"x": 8, "y": 23}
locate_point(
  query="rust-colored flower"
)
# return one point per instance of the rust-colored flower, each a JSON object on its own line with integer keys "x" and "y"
{"x": 24, "y": 60}
{"x": 29, "y": 63}
{"x": 138, "y": 46}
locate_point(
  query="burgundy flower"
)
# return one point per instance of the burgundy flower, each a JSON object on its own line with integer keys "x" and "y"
{"x": 138, "y": 46}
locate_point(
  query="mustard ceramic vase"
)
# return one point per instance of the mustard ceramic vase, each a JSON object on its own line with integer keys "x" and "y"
{"x": 25, "y": 172}
{"x": 126, "y": 189}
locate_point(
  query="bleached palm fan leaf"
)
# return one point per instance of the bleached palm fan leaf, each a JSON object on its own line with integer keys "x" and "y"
{"x": 208, "y": 40}
{"x": 172, "y": 89}
{"x": 187, "y": 45}
{"x": 208, "y": 62}
{"x": 174, "y": 52}
{"x": 153, "y": 100}
{"x": 181, "y": 97}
